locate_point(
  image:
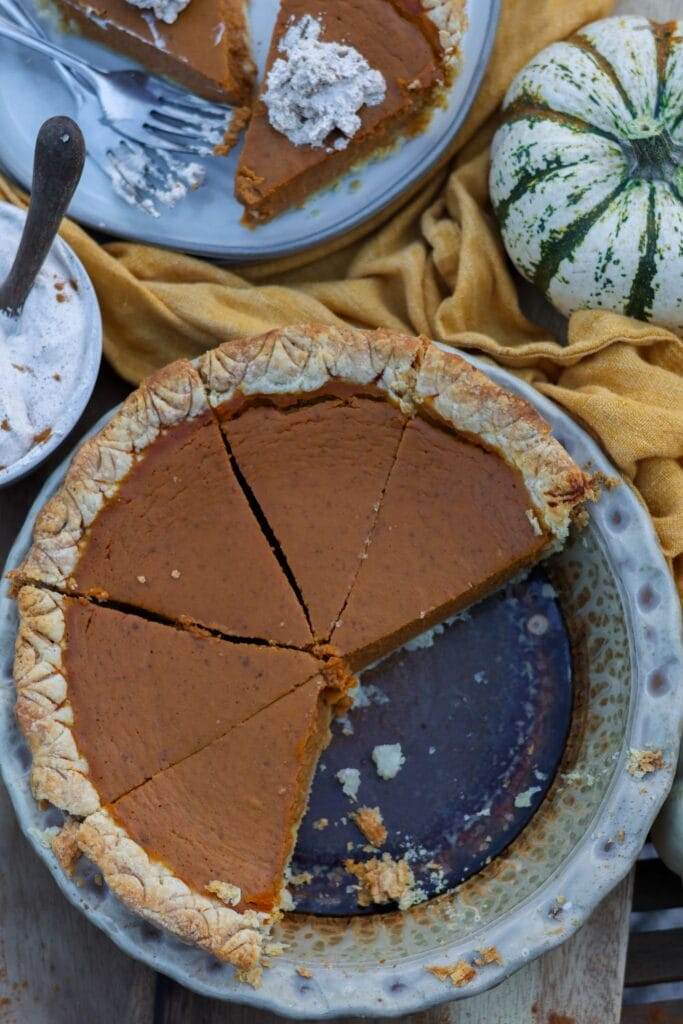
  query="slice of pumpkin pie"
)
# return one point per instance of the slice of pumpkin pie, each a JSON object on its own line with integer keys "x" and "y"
{"x": 151, "y": 516}
{"x": 344, "y": 78}
{"x": 202, "y": 44}
{"x": 479, "y": 492}
{"x": 226, "y": 820}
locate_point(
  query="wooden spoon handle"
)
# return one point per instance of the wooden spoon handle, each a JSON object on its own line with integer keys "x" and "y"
{"x": 57, "y": 166}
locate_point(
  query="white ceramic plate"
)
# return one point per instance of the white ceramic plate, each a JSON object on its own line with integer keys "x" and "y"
{"x": 623, "y": 613}
{"x": 207, "y": 222}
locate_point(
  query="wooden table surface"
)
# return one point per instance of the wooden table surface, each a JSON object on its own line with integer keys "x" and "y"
{"x": 57, "y": 968}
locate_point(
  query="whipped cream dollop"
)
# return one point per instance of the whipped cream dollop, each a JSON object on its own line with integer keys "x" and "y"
{"x": 319, "y": 87}
{"x": 42, "y": 352}
{"x": 164, "y": 10}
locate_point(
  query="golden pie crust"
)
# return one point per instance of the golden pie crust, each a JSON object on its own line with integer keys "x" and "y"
{"x": 410, "y": 372}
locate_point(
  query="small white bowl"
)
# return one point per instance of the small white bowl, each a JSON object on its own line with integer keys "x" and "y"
{"x": 71, "y": 269}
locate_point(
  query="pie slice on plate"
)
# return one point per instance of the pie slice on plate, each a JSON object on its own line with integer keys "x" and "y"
{"x": 373, "y": 484}
{"x": 152, "y": 516}
{"x": 409, "y": 42}
{"x": 205, "y": 48}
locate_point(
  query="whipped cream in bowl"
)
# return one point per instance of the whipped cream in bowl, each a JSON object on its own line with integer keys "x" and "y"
{"x": 49, "y": 355}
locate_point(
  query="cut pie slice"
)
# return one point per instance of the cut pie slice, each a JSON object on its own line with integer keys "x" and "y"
{"x": 106, "y": 723}
{"x": 314, "y": 423}
{"x": 205, "y": 49}
{"x": 226, "y": 819}
{"x": 408, "y": 41}
{"x": 151, "y": 515}
{"x": 479, "y": 492}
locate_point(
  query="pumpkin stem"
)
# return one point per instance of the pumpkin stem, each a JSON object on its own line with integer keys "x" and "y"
{"x": 657, "y": 156}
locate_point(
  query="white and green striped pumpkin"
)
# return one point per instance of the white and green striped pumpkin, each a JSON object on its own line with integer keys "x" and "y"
{"x": 587, "y": 172}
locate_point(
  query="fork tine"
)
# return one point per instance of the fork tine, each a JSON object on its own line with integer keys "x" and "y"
{"x": 197, "y": 128}
{"x": 176, "y": 142}
{"x": 172, "y": 97}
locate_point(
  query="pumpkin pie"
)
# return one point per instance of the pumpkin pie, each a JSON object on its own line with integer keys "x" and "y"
{"x": 364, "y": 481}
{"x": 205, "y": 49}
{"x": 410, "y": 42}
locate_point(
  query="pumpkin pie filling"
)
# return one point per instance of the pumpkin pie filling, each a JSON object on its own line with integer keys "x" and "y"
{"x": 173, "y": 693}
{"x": 254, "y": 782}
{"x": 177, "y": 536}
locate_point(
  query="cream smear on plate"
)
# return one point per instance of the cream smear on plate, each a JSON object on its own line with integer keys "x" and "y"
{"x": 318, "y": 88}
{"x": 42, "y": 352}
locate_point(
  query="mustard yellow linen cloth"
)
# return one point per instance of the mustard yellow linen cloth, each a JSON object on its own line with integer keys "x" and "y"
{"x": 436, "y": 266}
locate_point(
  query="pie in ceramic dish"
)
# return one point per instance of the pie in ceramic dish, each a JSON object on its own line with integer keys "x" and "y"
{"x": 242, "y": 536}
{"x": 344, "y": 79}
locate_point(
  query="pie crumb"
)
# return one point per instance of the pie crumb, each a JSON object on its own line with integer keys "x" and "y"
{"x": 369, "y": 821}
{"x": 488, "y": 955}
{"x": 274, "y": 948}
{"x": 253, "y": 976}
{"x": 225, "y": 892}
{"x": 459, "y": 974}
{"x": 141, "y": 579}
{"x": 175, "y": 573}
{"x": 65, "y": 846}
{"x": 304, "y": 972}
{"x": 389, "y": 759}
{"x": 384, "y": 881}
{"x": 303, "y": 878}
{"x": 643, "y": 762}
{"x": 320, "y": 824}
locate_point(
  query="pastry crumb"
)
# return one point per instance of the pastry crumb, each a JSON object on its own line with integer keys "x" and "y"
{"x": 304, "y": 972}
{"x": 286, "y": 901}
{"x": 488, "y": 955}
{"x": 64, "y": 845}
{"x": 141, "y": 579}
{"x": 225, "y": 892}
{"x": 302, "y": 878}
{"x": 385, "y": 881}
{"x": 389, "y": 760}
{"x": 349, "y": 779}
{"x": 370, "y": 822}
{"x": 253, "y": 976}
{"x": 321, "y": 823}
{"x": 644, "y": 762}
{"x": 175, "y": 573}
{"x": 459, "y": 974}
{"x": 274, "y": 948}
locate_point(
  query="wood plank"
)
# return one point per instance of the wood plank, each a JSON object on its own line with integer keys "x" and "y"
{"x": 656, "y": 887}
{"x": 655, "y": 957}
{"x": 654, "y": 1013}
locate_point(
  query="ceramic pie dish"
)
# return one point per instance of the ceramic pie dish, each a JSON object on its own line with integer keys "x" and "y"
{"x": 621, "y": 733}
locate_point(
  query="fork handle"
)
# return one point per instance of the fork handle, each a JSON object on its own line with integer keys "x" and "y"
{"x": 18, "y": 35}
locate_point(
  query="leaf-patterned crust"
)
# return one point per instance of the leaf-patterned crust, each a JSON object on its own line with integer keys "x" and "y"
{"x": 154, "y": 892}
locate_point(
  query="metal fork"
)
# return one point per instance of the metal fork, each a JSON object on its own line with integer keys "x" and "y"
{"x": 140, "y": 107}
